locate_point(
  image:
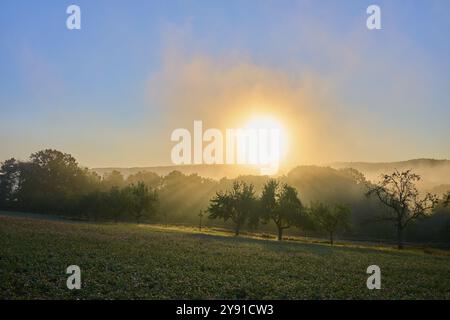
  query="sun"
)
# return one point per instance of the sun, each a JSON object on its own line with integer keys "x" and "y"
{"x": 268, "y": 122}
{"x": 263, "y": 122}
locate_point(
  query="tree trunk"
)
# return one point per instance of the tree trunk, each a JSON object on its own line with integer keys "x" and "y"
{"x": 399, "y": 237}
{"x": 280, "y": 233}
{"x": 331, "y": 237}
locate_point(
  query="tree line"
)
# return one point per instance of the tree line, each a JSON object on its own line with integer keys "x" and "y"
{"x": 278, "y": 203}
{"x": 339, "y": 201}
{"x": 52, "y": 182}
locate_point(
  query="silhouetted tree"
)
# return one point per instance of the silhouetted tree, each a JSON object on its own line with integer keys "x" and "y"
{"x": 398, "y": 192}
{"x": 113, "y": 179}
{"x": 280, "y": 203}
{"x": 116, "y": 205}
{"x": 151, "y": 179}
{"x": 140, "y": 201}
{"x": 94, "y": 205}
{"x": 9, "y": 179}
{"x": 354, "y": 175}
{"x": 51, "y": 182}
{"x": 236, "y": 204}
{"x": 447, "y": 199}
{"x": 182, "y": 196}
{"x": 329, "y": 219}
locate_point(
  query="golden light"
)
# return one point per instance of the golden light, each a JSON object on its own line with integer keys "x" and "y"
{"x": 263, "y": 122}
{"x": 268, "y": 122}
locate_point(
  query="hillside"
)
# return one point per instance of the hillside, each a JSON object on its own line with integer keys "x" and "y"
{"x": 217, "y": 171}
{"x": 434, "y": 172}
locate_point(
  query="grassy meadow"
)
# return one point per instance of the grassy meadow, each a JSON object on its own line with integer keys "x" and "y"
{"x": 129, "y": 261}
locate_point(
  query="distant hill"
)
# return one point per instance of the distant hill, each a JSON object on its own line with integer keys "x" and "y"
{"x": 435, "y": 173}
{"x": 217, "y": 171}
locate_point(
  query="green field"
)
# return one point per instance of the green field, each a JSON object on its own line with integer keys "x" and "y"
{"x": 152, "y": 262}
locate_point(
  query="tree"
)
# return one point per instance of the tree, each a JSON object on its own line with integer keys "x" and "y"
{"x": 446, "y": 198}
{"x": 51, "y": 181}
{"x": 237, "y": 204}
{"x": 354, "y": 175}
{"x": 113, "y": 179}
{"x": 280, "y": 203}
{"x": 140, "y": 200}
{"x": 330, "y": 219}
{"x": 398, "y": 192}
{"x": 151, "y": 179}
{"x": 200, "y": 215}
{"x": 115, "y": 203}
{"x": 92, "y": 205}
{"x": 9, "y": 179}
{"x": 182, "y": 196}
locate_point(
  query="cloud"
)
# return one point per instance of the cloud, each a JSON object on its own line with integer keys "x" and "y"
{"x": 343, "y": 96}
{"x": 226, "y": 92}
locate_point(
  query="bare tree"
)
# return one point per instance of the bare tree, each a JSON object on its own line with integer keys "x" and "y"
{"x": 398, "y": 192}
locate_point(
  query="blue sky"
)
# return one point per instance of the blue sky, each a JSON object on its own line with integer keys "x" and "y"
{"x": 96, "y": 92}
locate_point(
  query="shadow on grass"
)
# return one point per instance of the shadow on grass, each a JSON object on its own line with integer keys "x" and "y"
{"x": 314, "y": 248}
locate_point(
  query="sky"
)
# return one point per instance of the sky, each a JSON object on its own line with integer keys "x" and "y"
{"x": 111, "y": 93}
